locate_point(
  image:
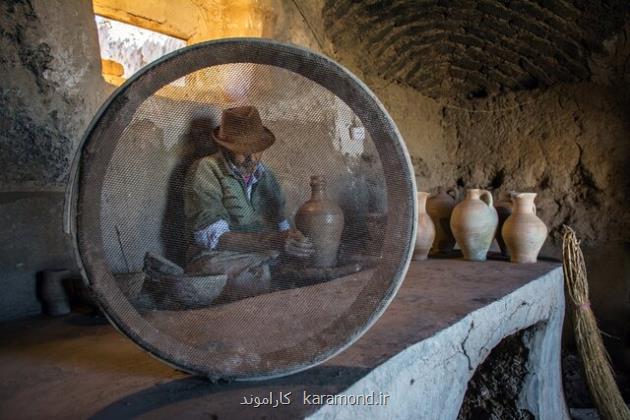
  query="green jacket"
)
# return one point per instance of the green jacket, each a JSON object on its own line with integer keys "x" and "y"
{"x": 213, "y": 192}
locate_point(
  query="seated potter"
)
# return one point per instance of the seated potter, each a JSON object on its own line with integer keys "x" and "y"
{"x": 235, "y": 208}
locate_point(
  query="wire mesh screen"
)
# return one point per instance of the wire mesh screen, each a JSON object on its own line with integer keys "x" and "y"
{"x": 251, "y": 223}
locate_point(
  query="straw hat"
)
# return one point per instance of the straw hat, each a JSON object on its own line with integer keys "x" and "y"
{"x": 241, "y": 131}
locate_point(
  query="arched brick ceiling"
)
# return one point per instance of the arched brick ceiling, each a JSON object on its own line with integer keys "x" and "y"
{"x": 474, "y": 48}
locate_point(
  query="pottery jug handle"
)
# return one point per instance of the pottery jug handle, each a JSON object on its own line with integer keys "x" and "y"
{"x": 534, "y": 209}
{"x": 453, "y": 193}
{"x": 488, "y": 200}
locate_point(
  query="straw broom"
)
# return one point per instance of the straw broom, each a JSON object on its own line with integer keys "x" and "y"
{"x": 595, "y": 359}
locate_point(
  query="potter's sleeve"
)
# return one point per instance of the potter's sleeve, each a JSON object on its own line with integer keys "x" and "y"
{"x": 204, "y": 198}
{"x": 280, "y": 204}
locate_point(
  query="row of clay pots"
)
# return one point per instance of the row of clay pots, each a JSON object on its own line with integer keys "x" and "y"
{"x": 475, "y": 222}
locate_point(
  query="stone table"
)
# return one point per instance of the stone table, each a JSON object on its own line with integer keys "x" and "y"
{"x": 416, "y": 361}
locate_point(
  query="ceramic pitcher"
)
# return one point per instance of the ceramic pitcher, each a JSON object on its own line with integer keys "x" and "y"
{"x": 524, "y": 233}
{"x": 321, "y": 220}
{"x": 504, "y": 209}
{"x": 440, "y": 207}
{"x": 474, "y": 222}
{"x": 426, "y": 230}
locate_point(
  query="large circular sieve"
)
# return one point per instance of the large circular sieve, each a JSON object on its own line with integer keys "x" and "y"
{"x": 128, "y": 212}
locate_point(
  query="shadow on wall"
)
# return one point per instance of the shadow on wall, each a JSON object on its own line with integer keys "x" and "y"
{"x": 194, "y": 144}
{"x": 142, "y": 202}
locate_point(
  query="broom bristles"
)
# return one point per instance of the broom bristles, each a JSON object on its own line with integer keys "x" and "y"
{"x": 595, "y": 359}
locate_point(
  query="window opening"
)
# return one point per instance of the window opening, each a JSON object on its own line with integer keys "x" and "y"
{"x": 126, "y": 48}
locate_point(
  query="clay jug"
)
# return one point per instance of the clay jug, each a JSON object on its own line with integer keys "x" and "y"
{"x": 474, "y": 222}
{"x": 440, "y": 206}
{"x": 426, "y": 230}
{"x": 504, "y": 210}
{"x": 321, "y": 220}
{"x": 524, "y": 233}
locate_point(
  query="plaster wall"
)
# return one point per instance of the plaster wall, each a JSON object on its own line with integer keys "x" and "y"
{"x": 51, "y": 89}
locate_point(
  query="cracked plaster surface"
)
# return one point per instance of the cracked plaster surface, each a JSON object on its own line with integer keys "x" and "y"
{"x": 428, "y": 379}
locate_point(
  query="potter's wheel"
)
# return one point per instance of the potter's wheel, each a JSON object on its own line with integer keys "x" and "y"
{"x": 127, "y": 196}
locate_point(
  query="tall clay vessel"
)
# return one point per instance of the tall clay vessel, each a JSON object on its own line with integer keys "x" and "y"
{"x": 474, "y": 222}
{"x": 524, "y": 233}
{"x": 426, "y": 230}
{"x": 321, "y": 220}
{"x": 440, "y": 207}
{"x": 504, "y": 210}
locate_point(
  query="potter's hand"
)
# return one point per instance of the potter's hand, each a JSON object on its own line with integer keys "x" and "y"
{"x": 298, "y": 245}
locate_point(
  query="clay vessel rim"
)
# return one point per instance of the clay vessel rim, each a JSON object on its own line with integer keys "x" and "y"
{"x": 475, "y": 193}
{"x": 524, "y": 194}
